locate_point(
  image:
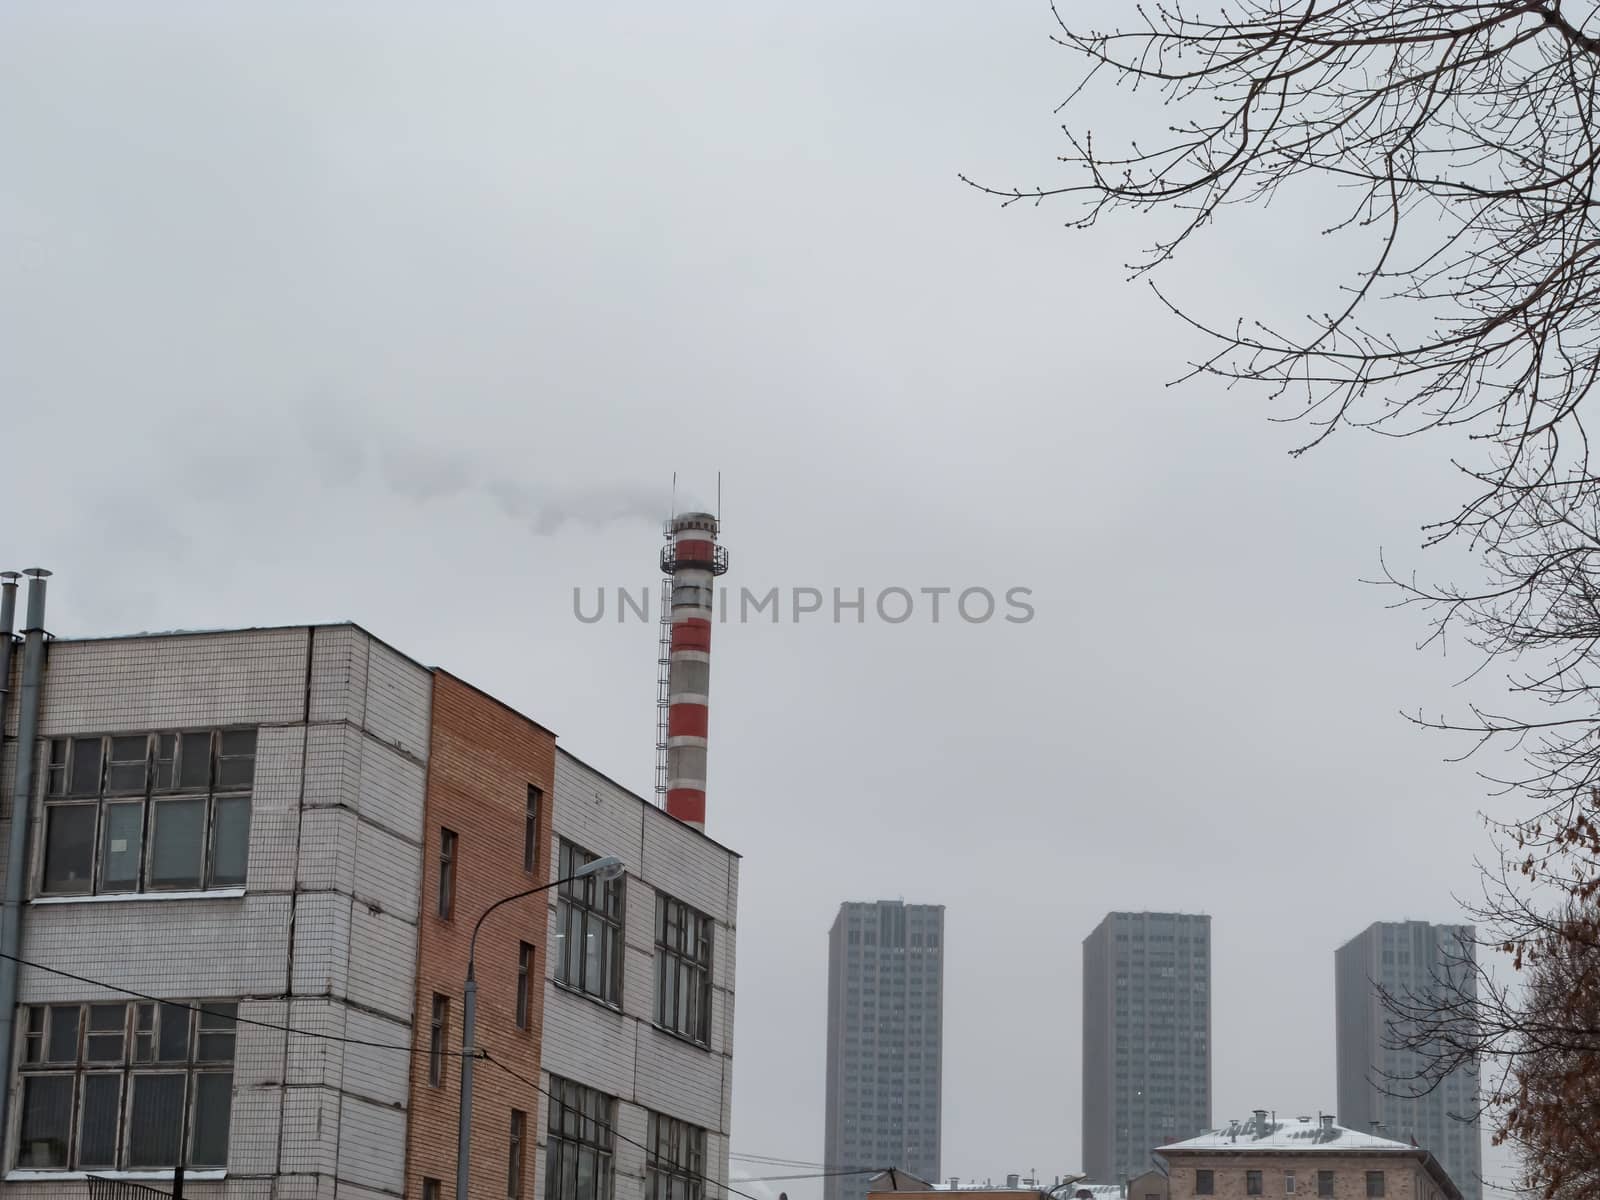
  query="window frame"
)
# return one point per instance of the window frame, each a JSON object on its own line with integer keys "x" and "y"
{"x": 163, "y": 788}
{"x": 431, "y": 1188}
{"x": 580, "y": 1120}
{"x": 1205, "y": 1182}
{"x": 1376, "y": 1178}
{"x": 1288, "y": 1183}
{"x": 449, "y": 851}
{"x": 583, "y": 905}
{"x": 530, "y": 830}
{"x": 685, "y": 941}
{"x": 517, "y": 1157}
{"x": 1254, "y": 1183}
{"x": 527, "y": 962}
{"x": 438, "y": 1039}
{"x": 680, "y": 1139}
{"x": 143, "y": 1052}
{"x": 1325, "y": 1183}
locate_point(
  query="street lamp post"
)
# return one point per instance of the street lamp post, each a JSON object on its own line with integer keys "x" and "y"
{"x": 604, "y": 869}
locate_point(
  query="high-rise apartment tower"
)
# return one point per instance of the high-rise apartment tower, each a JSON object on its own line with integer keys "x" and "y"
{"x": 1146, "y": 1038}
{"x": 885, "y": 1027}
{"x": 1405, "y": 959}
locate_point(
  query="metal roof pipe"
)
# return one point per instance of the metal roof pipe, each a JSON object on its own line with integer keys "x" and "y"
{"x": 8, "y": 614}
{"x": 29, "y": 698}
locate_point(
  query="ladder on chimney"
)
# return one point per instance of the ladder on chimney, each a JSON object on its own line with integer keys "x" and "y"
{"x": 663, "y": 688}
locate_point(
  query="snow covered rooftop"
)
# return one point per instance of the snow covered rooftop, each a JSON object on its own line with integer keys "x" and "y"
{"x": 1100, "y": 1191}
{"x": 1287, "y": 1133}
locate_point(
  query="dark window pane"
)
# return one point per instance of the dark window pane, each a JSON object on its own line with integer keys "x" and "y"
{"x": 129, "y": 749}
{"x": 174, "y": 1028}
{"x": 530, "y": 833}
{"x": 144, "y": 1036}
{"x": 125, "y": 772}
{"x": 178, "y": 843}
{"x": 195, "y": 761}
{"x": 97, "y": 1131}
{"x": 213, "y": 1106}
{"x": 125, "y": 779}
{"x": 63, "y": 1045}
{"x": 166, "y": 760}
{"x": 46, "y": 1121}
{"x": 107, "y": 1029}
{"x": 86, "y": 767}
{"x": 121, "y": 847}
{"x": 235, "y": 774}
{"x": 155, "y": 1119}
{"x": 594, "y": 964}
{"x": 216, "y": 1037}
{"x": 33, "y": 1036}
{"x": 230, "y": 841}
{"x": 56, "y": 769}
{"x": 69, "y": 847}
{"x": 236, "y": 767}
{"x": 552, "y": 1170}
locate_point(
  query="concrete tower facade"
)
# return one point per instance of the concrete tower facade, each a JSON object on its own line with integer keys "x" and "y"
{"x": 1405, "y": 958}
{"x": 885, "y": 1037}
{"x": 1146, "y": 1038}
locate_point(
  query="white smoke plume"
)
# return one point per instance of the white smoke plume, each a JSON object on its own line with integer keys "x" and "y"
{"x": 426, "y": 475}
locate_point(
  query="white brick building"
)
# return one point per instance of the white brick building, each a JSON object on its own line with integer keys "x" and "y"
{"x": 621, "y": 1045}
{"x": 320, "y": 934}
{"x": 234, "y": 821}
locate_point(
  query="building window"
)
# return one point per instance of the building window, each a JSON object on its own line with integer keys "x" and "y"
{"x": 1205, "y": 1183}
{"x": 1288, "y": 1183}
{"x": 579, "y": 1142}
{"x": 438, "y": 1034}
{"x": 147, "y": 812}
{"x": 1324, "y": 1183}
{"x": 430, "y": 1189}
{"x": 683, "y": 969}
{"x": 519, "y": 1131}
{"x": 676, "y": 1160}
{"x": 588, "y": 930}
{"x": 112, "y": 1086}
{"x": 1252, "y": 1183}
{"x": 447, "y": 873}
{"x": 1374, "y": 1183}
{"x": 525, "y": 982}
{"x": 530, "y": 831}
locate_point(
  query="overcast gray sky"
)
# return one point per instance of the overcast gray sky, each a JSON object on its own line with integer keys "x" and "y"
{"x": 407, "y": 314}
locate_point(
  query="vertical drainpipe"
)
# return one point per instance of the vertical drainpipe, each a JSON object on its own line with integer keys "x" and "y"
{"x": 21, "y": 817}
{"x": 8, "y": 614}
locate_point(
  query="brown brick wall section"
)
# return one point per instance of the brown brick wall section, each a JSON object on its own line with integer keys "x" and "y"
{"x": 481, "y": 760}
{"x": 1403, "y": 1176}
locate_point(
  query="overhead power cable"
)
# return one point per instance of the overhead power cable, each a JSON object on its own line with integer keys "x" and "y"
{"x": 484, "y": 1055}
{"x": 200, "y": 1008}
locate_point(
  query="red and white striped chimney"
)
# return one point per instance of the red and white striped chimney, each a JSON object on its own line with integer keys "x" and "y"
{"x": 693, "y": 560}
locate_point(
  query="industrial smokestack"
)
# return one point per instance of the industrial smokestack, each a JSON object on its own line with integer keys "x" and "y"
{"x": 692, "y": 560}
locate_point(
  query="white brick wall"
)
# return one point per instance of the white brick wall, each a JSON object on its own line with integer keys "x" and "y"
{"x": 333, "y": 876}
{"x": 623, "y": 1053}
